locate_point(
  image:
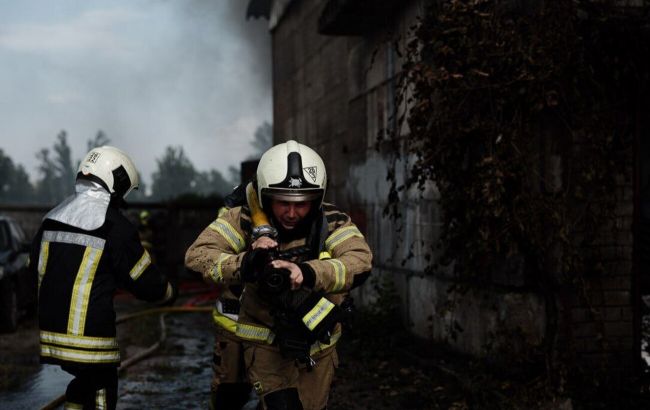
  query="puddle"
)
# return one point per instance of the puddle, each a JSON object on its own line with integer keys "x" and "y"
{"x": 48, "y": 384}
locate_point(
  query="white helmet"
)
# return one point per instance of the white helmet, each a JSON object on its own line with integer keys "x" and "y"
{"x": 112, "y": 168}
{"x": 291, "y": 172}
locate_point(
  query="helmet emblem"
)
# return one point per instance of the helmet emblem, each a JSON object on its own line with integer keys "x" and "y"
{"x": 93, "y": 157}
{"x": 295, "y": 183}
{"x": 312, "y": 172}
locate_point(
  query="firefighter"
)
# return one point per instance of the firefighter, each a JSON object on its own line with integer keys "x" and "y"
{"x": 229, "y": 388}
{"x": 84, "y": 250}
{"x": 295, "y": 271}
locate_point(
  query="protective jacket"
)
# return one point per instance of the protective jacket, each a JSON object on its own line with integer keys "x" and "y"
{"x": 220, "y": 248}
{"x": 78, "y": 273}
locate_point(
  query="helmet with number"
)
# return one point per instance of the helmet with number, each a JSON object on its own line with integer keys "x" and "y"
{"x": 291, "y": 172}
{"x": 111, "y": 168}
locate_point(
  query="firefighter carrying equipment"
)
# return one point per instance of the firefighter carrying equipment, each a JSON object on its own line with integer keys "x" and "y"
{"x": 78, "y": 274}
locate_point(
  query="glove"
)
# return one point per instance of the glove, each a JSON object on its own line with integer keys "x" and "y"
{"x": 172, "y": 293}
{"x": 252, "y": 264}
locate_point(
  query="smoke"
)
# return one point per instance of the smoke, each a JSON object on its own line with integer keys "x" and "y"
{"x": 213, "y": 23}
{"x": 149, "y": 73}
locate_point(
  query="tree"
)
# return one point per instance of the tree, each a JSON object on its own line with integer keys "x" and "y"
{"x": 175, "y": 175}
{"x": 99, "y": 140}
{"x": 212, "y": 182}
{"x": 46, "y": 185}
{"x": 263, "y": 139}
{"x": 58, "y": 173}
{"x": 63, "y": 162}
{"x": 139, "y": 195}
{"x": 14, "y": 181}
{"x": 235, "y": 176}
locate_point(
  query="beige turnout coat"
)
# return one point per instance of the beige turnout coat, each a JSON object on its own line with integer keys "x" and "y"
{"x": 218, "y": 251}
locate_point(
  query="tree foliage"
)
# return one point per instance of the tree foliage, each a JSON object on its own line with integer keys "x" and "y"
{"x": 262, "y": 139}
{"x": 99, "y": 140}
{"x": 15, "y": 186}
{"x": 176, "y": 175}
{"x": 57, "y": 174}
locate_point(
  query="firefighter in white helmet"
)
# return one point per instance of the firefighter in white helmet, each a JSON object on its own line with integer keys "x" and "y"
{"x": 84, "y": 250}
{"x": 296, "y": 270}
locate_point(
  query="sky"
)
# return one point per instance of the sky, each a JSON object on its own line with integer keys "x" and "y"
{"x": 149, "y": 73}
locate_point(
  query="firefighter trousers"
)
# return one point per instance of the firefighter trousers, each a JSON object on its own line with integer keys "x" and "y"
{"x": 92, "y": 388}
{"x": 229, "y": 388}
{"x": 269, "y": 372}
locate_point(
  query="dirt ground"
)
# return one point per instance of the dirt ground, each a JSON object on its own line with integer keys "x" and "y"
{"x": 381, "y": 368}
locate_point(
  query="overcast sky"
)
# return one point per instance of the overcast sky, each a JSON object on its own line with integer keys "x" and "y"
{"x": 149, "y": 73}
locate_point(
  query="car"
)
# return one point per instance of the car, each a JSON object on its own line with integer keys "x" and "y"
{"x": 18, "y": 285}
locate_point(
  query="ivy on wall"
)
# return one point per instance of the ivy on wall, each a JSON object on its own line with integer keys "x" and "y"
{"x": 522, "y": 113}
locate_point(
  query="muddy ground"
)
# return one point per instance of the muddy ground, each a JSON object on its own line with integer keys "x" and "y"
{"x": 380, "y": 368}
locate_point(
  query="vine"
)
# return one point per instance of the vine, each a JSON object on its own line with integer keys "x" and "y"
{"x": 522, "y": 116}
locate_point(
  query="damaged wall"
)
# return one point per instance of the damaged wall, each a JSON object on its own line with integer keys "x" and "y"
{"x": 335, "y": 93}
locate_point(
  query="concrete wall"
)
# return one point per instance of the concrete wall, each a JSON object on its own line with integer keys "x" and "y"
{"x": 335, "y": 93}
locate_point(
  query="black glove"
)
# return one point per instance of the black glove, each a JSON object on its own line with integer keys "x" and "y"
{"x": 252, "y": 264}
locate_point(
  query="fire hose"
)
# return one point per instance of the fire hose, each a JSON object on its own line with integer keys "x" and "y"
{"x": 163, "y": 311}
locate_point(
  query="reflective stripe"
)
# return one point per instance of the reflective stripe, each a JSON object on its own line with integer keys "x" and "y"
{"x": 81, "y": 356}
{"x": 324, "y": 255}
{"x": 341, "y": 235}
{"x": 81, "y": 291}
{"x": 42, "y": 261}
{"x": 222, "y": 211}
{"x": 74, "y": 238}
{"x": 229, "y": 233}
{"x": 86, "y": 342}
{"x": 140, "y": 266}
{"x": 169, "y": 292}
{"x": 254, "y": 333}
{"x": 216, "y": 273}
{"x": 319, "y": 347}
{"x": 72, "y": 406}
{"x": 317, "y": 313}
{"x": 224, "y": 321}
{"x": 339, "y": 275}
{"x": 100, "y": 400}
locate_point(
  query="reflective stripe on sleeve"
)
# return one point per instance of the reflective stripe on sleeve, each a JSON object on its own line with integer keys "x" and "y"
{"x": 324, "y": 255}
{"x": 169, "y": 292}
{"x": 81, "y": 291}
{"x": 341, "y": 235}
{"x": 140, "y": 266}
{"x": 42, "y": 261}
{"x": 72, "y": 406}
{"x": 319, "y": 347}
{"x": 80, "y": 356}
{"x": 339, "y": 274}
{"x": 229, "y": 233}
{"x": 317, "y": 313}
{"x": 85, "y": 342}
{"x": 216, "y": 273}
